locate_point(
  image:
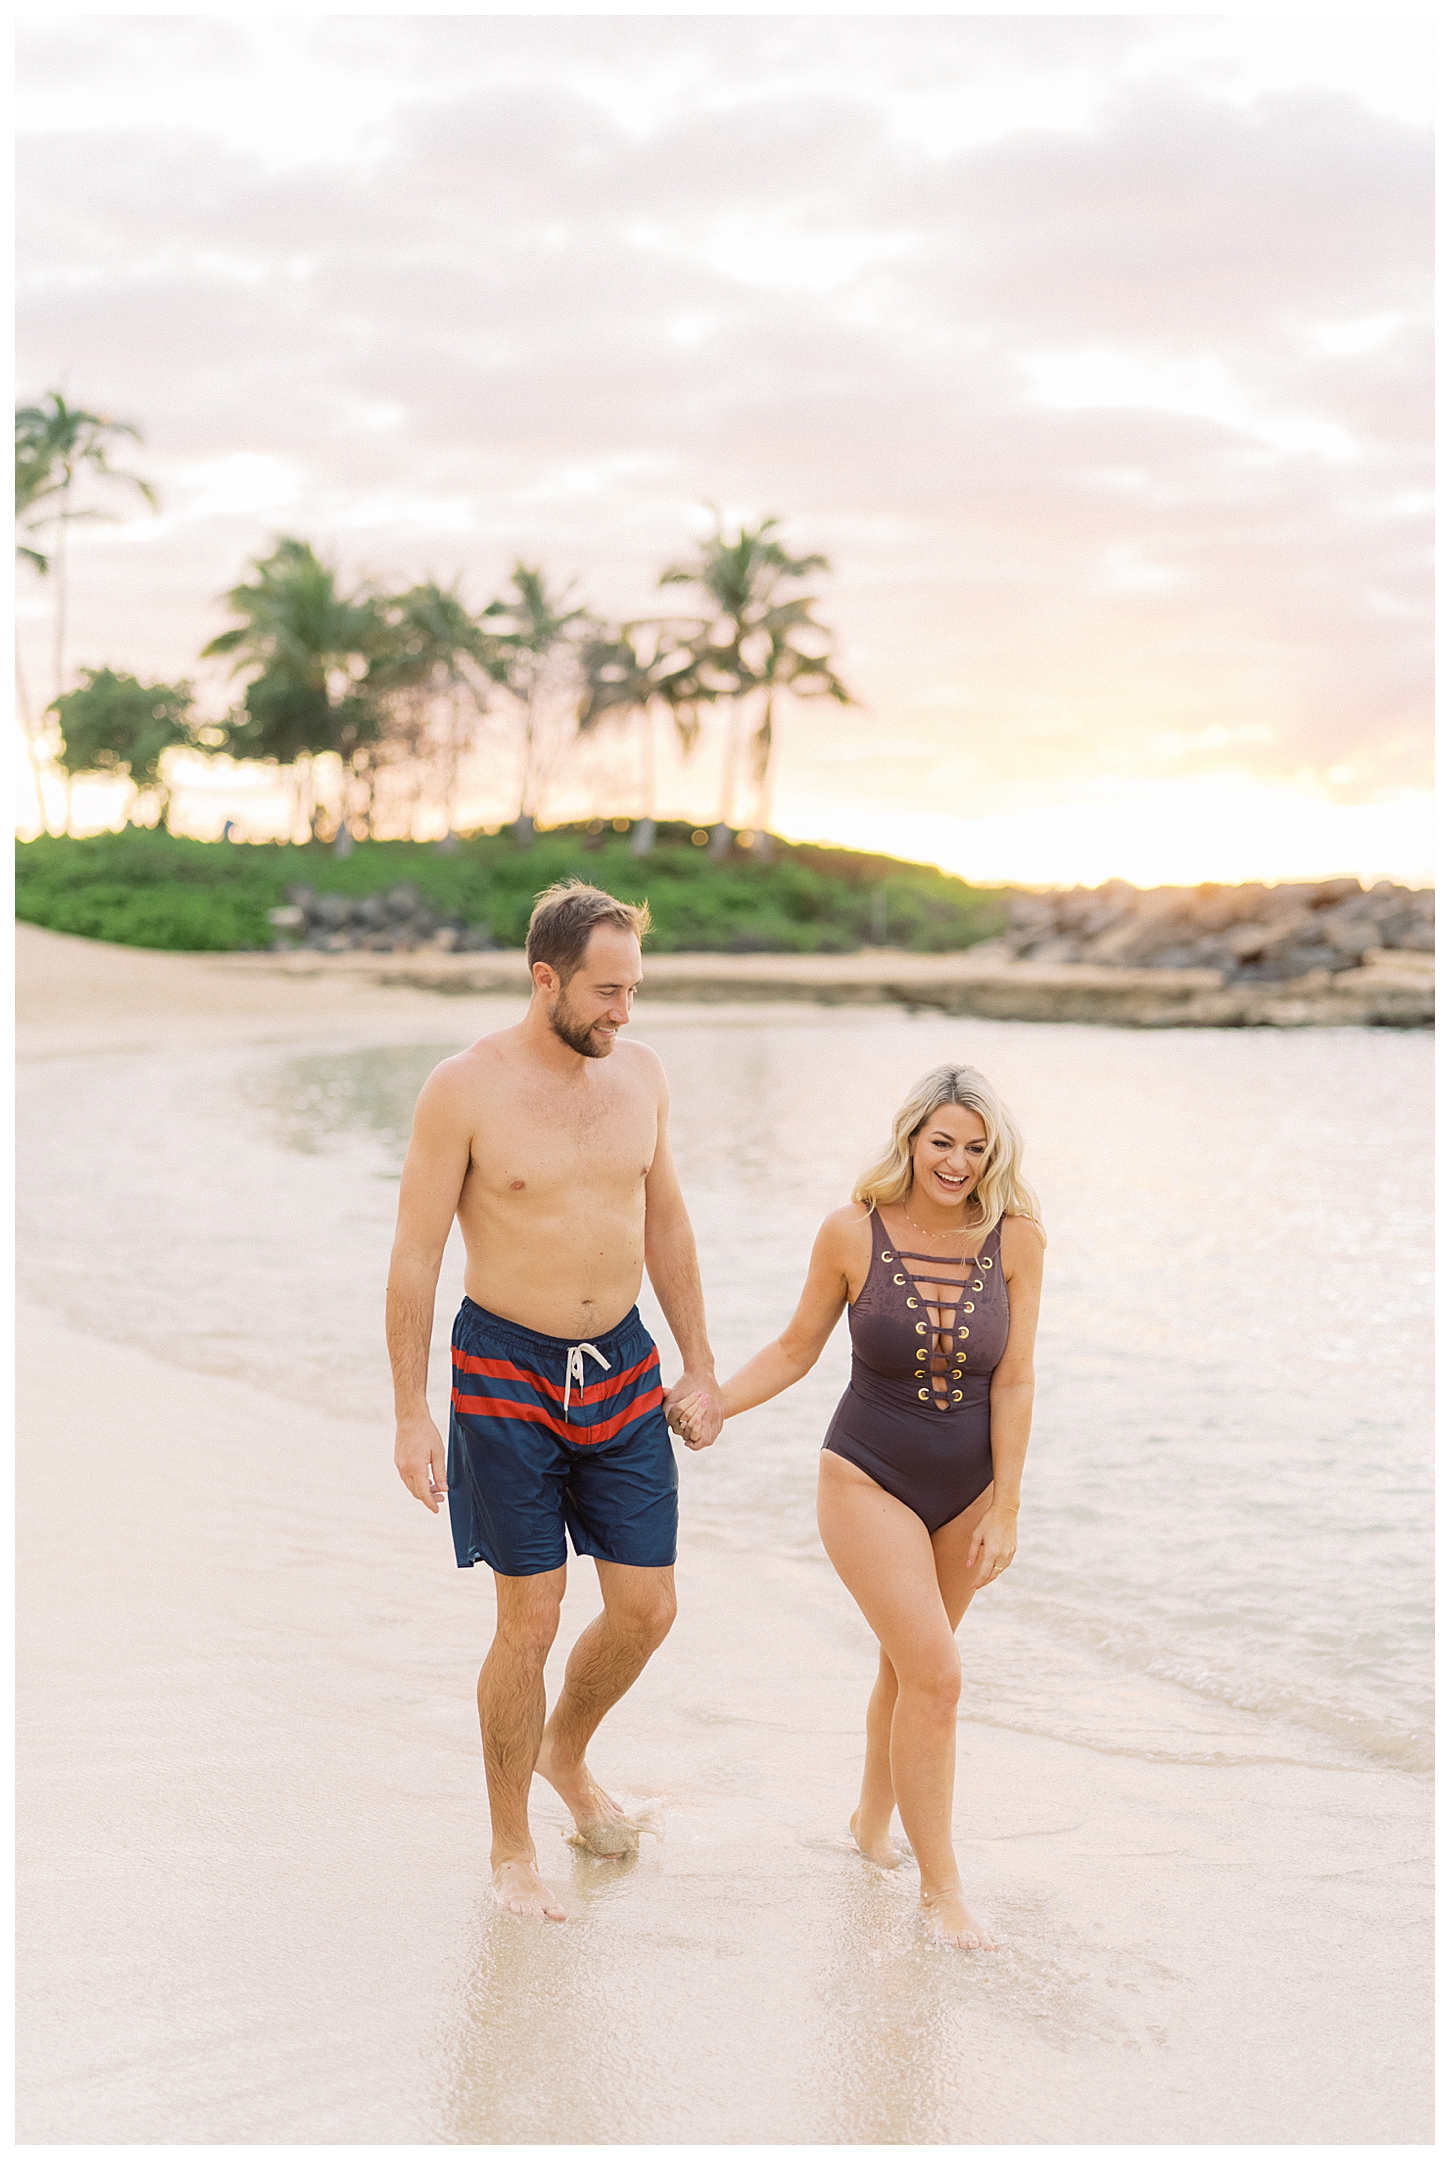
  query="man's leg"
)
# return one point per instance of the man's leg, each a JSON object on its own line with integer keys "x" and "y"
{"x": 511, "y": 1718}
{"x": 610, "y": 1655}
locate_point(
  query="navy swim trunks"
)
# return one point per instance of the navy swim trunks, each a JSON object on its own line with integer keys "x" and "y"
{"x": 545, "y": 1433}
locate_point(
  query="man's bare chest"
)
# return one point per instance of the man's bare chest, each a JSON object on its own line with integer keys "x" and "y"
{"x": 545, "y": 1146}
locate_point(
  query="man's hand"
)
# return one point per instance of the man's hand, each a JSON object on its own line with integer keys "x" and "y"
{"x": 422, "y": 1460}
{"x": 693, "y": 1410}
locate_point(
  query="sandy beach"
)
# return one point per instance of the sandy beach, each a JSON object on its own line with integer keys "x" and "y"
{"x": 253, "y": 1903}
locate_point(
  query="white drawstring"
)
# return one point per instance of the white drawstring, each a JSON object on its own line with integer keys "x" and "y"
{"x": 574, "y": 1370}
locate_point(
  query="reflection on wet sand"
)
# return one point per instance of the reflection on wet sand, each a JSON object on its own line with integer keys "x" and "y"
{"x": 254, "y": 1898}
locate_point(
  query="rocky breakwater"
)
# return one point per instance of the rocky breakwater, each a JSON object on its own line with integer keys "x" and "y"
{"x": 1322, "y": 954}
{"x": 398, "y": 921}
{"x": 1325, "y": 955}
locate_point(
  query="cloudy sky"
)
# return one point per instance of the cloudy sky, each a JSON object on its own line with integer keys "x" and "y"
{"x": 1093, "y": 351}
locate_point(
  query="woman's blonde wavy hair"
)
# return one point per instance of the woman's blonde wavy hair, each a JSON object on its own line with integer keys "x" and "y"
{"x": 1000, "y": 1190}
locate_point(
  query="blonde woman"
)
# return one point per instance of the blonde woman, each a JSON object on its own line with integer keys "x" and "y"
{"x": 939, "y": 1261}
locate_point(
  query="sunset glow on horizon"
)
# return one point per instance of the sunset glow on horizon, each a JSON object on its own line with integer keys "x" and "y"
{"x": 1094, "y": 353}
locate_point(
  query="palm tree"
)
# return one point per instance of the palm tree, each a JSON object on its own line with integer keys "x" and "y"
{"x": 431, "y": 650}
{"x": 311, "y": 646}
{"x": 53, "y": 442}
{"x": 757, "y": 642}
{"x": 636, "y": 671}
{"x": 535, "y": 645}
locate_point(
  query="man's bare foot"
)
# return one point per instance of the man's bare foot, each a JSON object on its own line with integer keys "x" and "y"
{"x": 879, "y": 1850}
{"x": 948, "y": 1921}
{"x": 519, "y": 1888}
{"x": 600, "y": 1824}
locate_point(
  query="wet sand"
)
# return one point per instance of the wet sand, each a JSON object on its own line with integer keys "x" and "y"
{"x": 253, "y": 1901}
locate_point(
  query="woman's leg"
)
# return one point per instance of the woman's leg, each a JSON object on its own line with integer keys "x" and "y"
{"x": 882, "y": 1553}
{"x": 957, "y": 1582}
{"x": 871, "y": 1823}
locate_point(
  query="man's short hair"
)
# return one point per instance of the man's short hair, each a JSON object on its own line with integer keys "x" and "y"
{"x": 566, "y": 917}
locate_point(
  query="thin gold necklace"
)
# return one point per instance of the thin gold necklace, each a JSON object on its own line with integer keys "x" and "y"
{"x": 964, "y": 1231}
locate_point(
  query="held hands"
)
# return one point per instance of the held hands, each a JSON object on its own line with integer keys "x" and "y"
{"x": 692, "y": 1409}
{"x": 422, "y": 1460}
{"x": 994, "y": 1541}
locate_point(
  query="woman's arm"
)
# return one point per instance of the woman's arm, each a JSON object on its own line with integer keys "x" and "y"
{"x": 827, "y": 1287}
{"x": 995, "y": 1539}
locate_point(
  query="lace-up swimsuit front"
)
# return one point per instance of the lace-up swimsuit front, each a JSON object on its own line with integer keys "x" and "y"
{"x": 926, "y": 1336}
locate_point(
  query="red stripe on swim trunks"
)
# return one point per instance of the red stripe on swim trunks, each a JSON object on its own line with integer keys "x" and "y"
{"x": 483, "y": 1368}
{"x": 505, "y": 1408}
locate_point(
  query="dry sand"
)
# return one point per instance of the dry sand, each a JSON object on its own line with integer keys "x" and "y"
{"x": 253, "y": 1904}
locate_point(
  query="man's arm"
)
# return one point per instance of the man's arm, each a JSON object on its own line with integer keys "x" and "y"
{"x": 674, "y": 1270}
{"x": 433, "y": 1174}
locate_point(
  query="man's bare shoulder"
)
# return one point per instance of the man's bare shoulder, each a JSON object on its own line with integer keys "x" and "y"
{"x": 458, "y": 1082}
{"x": 641, "y": 1065}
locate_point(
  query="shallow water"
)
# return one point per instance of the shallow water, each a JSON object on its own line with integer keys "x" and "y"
{"x": 253, "y": 1903}
{"x": 1228, "y": 1485}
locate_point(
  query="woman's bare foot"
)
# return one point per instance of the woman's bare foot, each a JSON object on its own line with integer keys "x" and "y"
{"x": 948, "y": 1921}
{"x": 519, "y": 1888}
{"x": 878, "y": 1849}
{"x": 600, "y": 1824}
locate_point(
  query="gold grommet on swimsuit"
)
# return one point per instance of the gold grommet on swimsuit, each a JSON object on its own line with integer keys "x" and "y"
{"x": 976, "y": 1286}
{"x": 956, "y": 1394}
{"x": 921, "y": 1327}
{"x": 887, "y": 1258}
{"x": 968, "y": 1306}
{"x": 898, "y": 1278}
{"x": 911, "y": 1304}
{"x": 923, "y": 1394}
{"x": 984, "y": 1263}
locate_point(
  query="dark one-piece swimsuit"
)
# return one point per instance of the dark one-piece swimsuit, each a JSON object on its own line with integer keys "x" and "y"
{"x": 926, "y": 1336}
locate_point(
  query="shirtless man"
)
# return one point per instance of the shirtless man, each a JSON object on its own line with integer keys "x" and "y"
{"x": 548, "y": 1142}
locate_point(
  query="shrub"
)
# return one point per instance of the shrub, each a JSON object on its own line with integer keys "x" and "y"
{"x": 150, "y": 887}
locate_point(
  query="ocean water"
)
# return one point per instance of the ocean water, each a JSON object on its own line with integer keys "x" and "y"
{"x": 1191, "y": 1793}
{"x": 1228, "y": 1484}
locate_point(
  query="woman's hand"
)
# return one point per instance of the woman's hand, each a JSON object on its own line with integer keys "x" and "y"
{"x": 994, "y": 1542}
{"x": 684, "y": 1415}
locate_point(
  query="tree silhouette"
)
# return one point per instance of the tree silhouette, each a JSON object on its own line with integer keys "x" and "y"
{"x": 311, "y": 646}
{"x": 429, "y": 652}
{"x": 634, "y": 672}
{"x": 757, "y": 641}
{"x": 54, "y": 442}
{"x": 536, "y": 643}
{"x": 120, "y": 728}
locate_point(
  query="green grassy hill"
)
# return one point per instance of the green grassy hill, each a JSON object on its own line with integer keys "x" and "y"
{"x": 139, "y": 887}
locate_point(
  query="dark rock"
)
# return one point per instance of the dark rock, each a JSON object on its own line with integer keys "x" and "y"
{"x": 1032, "y": 911}
{"x": 1349, "y": 930}
{"x": 1289, "y": 960}
{"x": 301, "y": 895}
{"x": 477, "y": 938}
{"x": 332, "y": 911}
{"x": 1334, "y": 890}
{"x": 373, "y": 912}
{"x": 402, "y": 901}
{"x": 1407, "y": 932}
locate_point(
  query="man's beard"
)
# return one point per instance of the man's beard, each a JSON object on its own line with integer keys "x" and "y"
{"x": 577, "y": 1033}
